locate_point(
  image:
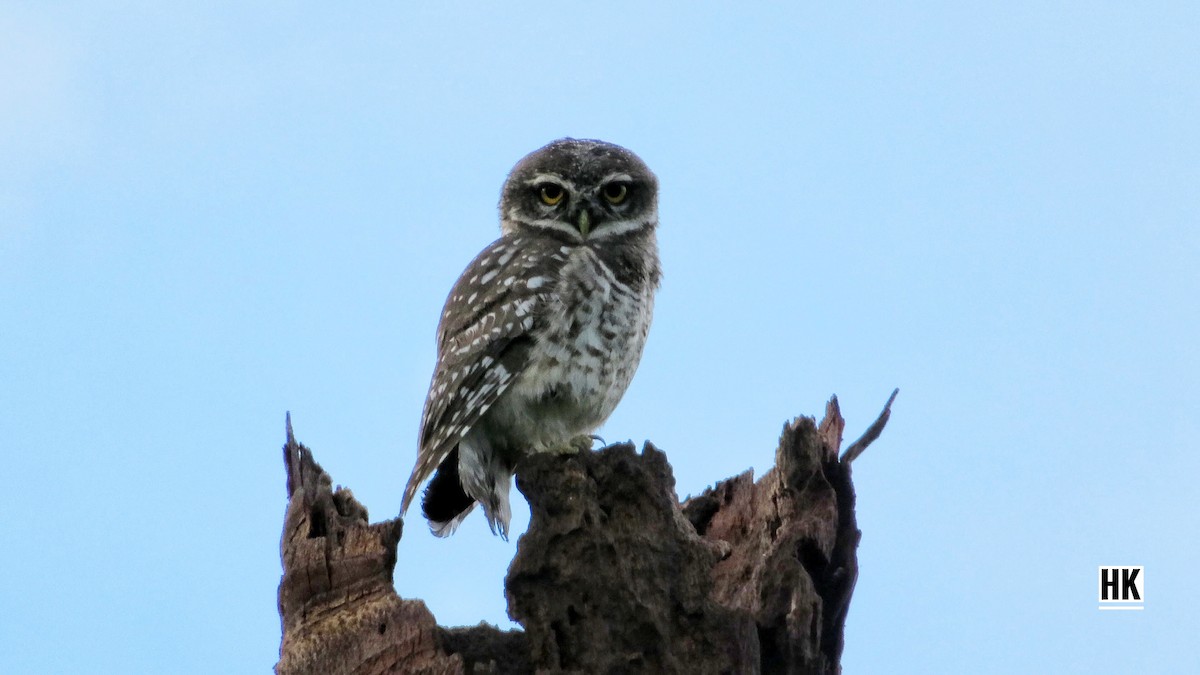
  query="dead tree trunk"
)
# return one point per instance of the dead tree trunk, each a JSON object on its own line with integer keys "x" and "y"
{"x": 613, "y": 575}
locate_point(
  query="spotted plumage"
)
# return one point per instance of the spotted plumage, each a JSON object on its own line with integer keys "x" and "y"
{"x": 543, "y": 331}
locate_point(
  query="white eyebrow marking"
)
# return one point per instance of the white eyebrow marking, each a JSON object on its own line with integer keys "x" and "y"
{"x": 624, "y": 177}
{"x": 550, "y": 178}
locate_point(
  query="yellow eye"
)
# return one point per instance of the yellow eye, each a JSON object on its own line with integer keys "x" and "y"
{"x": 615, "y": 193}
{"x": 551, "y": 194}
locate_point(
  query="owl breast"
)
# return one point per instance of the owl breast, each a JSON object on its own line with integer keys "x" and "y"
{"x": 584, "y": 355}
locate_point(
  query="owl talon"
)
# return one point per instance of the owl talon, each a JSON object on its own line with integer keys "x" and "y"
{"x": 574, "y": 446}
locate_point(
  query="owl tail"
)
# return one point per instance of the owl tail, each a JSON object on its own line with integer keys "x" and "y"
{"x": 445, "y": 502}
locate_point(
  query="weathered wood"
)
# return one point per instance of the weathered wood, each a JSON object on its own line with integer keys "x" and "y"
{"x": 614, "y": 575}
{"x": 610, "y": 576}
{"x": 339, "y": 610}
{"x": 793, "y": 542}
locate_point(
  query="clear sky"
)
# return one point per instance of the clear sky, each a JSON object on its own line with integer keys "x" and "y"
{"x": 211, "y": 214}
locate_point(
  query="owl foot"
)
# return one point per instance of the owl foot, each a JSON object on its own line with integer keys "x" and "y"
{"x": 582, "y": 443}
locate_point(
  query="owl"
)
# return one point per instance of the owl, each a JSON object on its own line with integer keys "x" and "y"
{"x": 542, "y": 332}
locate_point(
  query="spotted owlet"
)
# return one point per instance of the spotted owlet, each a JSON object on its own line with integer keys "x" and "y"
{"x": 543, "y": 331}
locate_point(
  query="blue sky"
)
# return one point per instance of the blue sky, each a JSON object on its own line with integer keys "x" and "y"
{"x": 211, "y": 215}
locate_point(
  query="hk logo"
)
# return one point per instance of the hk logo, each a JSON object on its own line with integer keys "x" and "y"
{"x": 1122, "y": 587}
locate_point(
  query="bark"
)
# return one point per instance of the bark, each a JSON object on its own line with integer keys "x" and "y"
{"x": 614, "y": 575}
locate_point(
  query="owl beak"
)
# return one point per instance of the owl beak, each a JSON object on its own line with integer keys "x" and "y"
{"x": 584, "y": 223}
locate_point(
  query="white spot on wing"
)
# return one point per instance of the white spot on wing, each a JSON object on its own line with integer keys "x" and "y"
{"x": 523, "y": 307}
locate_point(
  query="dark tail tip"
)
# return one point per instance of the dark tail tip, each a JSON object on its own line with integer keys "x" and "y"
{"x": 444, "y": 497}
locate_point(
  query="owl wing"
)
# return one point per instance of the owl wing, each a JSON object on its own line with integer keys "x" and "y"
{"x": 484, "y": 343}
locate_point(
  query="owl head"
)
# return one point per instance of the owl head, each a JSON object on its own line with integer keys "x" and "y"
{"x": 579, "y": 190}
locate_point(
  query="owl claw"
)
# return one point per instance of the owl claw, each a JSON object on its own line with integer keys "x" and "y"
{"x": 575, "y": 446}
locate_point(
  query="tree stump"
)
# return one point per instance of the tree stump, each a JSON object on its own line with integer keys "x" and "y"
{"x": 614, "y": 575}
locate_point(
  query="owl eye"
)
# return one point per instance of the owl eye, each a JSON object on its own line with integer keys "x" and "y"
{"x": 615, "y": 193}
{"x": 551, "y": 194}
